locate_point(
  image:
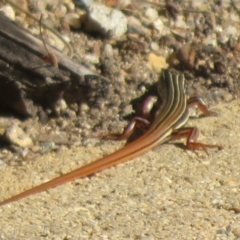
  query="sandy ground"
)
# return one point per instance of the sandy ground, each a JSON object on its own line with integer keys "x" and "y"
{"x": 168, "y": 193}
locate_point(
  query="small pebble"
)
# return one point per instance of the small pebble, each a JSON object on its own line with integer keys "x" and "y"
{"x": 91, "y": 58}
{"x": 73, "y": 20}
{"x": 180, "y": 22}
{"x": 158, "y": 25}
{"x": 151, "y": 14}
{"x": 60, "y": 11}
{"x": 108, "y": 50}
{"x": 36, "y": 149}
{"x": 84, "y": 107}
{"x": 25, "y": 152}
{"x": 61, "y": 106}
{"x": 48, "y": 147}
{"x": 14, "y": 134}
{"x": 154, "y": 46}
{"x": 157, "y": 63}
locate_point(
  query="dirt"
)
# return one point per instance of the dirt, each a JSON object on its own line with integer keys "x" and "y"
{"x": 168, "y": 193}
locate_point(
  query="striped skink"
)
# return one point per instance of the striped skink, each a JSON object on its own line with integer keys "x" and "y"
{"x": 166, "y": 124}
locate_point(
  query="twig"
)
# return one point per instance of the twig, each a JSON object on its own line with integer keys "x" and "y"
{"x": 50, "y": 56}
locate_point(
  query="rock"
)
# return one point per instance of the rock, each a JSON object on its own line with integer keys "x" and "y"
{"x": 151, "y": 14}
{"x": 14, "y": 134}
{"x": 91, "y": 58}
{"x": 73, "y": 20}
{"x": 154, "y": 46}
{"x": 158, "y": 25}
{"x": 60, "y": 11}
{"x": 157, "y": 63}
{"x": 9, "y": 12}
{"x": 103, "y": 20}
{"x": 108, "y": 50}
